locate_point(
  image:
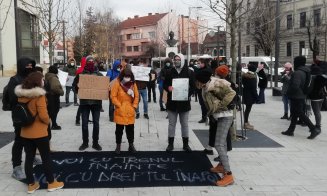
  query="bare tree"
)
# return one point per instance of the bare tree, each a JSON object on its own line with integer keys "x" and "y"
{"x": 6, "y": 9}
{"x": 50, "y": 15}
{"x": 230, "y": 11}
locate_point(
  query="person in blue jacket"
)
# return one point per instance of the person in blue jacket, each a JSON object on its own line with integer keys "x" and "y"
{"x": 113, "y": 73}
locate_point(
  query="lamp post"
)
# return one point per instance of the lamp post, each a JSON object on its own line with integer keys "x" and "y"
{"x": 218, "y": 48}
{"x": 189, "y": 34}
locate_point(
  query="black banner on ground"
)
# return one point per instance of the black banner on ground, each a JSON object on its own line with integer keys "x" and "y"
{"x": 142, "y": 169}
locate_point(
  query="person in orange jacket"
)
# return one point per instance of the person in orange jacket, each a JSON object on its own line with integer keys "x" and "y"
{"x": 35, "y": 135}
{"x": 125, "y": 97}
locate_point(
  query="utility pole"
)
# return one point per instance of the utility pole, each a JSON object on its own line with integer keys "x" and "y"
{"x": 189, "y": 33}
{"x": 16, "y": 30}
{"x": 277, "y": 43}
{"x": 218, "y": 48}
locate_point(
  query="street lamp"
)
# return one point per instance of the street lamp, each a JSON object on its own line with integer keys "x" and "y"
{"x": 189, "y": 34}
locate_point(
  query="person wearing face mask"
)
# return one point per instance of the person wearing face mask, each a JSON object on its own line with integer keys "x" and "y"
{"x": 25, "y": 66}
{"x": 88, "y": 106}
{"x": 70, "y": 68}
{"x": 142, "y": 88}
{"x": 178, "y": 108}
{"x": 125, "y": 96}
{"x": 113, "y": 73}
{"x": 161, "y": 78}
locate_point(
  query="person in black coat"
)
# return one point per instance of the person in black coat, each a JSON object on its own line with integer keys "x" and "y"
{"x": 296, "y": 94}
{"x": 178, "y": 108}
{"x": 318, "y": 93}
{"x": 262, "y": 84}
{"x": 250, "y": 94}
{"x": 25, "y": 66}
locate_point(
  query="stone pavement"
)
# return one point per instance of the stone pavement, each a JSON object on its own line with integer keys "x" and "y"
{"x": 300, "y": 168}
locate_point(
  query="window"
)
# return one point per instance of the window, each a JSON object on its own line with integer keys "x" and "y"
{"x": 135, "y": 48}
{"x": 60, "y": 53}
{"x": 128, "y": 36}
{"x": 152, "y": 35}
{"x": 289, "y": 23}
{"x": 136, "y": 36}
{"x": 289, "y": 49}
{"x": 247, "y": 50}
{"x": 303, "y": 19}
{"x": 301, "y": 45}
{"x": 129, "y": 49}
{"x": 316, "y": 17}
{"x": 256, "y": 50}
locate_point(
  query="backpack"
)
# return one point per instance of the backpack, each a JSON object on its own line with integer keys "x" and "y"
{"x": 21, "y": 115}
{"x": 6, "y": 103}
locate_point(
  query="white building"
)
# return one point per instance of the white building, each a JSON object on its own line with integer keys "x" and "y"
{"x": 24, "y": 42}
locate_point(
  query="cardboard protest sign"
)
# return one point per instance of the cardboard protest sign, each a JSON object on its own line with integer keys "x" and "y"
{"x": 141, "y": 73}
{"x": 93, "y": 87}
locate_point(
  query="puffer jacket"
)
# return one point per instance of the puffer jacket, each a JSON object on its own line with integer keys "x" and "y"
{"x": 37, "y": 106}
{"x": 217, "y": 95}
{"x": 250, "y": 94}
{"x": 71, "y": 70}
{"x": 125, "y": 105}
{"x": 297, "y": 83}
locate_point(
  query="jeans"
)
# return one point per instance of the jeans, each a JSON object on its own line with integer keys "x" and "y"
{"x": 297, "y": 111}
{"x": 160, "y": 98}
{"x": 183, "y": 119}
{"x": 152, "y": 87}
{"x": 85, "y": 111}
{"x": 144, "y": 94}
{"x": 129, "y": 133}
{"x": 44, "y": 148}
{"x": 286, "y": 103}
{"x": 17, "y": 148}
{"x": 261, "y": 97}
{"x": 68, "y": 89}
{"x": 316, "y": 108}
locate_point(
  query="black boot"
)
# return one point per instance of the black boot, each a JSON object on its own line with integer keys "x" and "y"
{"x": 131, "y": 148}
{"x": 117, "y": 150}
{"x": 170, "y": 146}
{"x": 186, "y": 147}
{"x": 285, "y": 116}
{"x": 288, "y": 133}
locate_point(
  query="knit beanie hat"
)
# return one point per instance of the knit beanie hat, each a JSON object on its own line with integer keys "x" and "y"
{"x": 88, "y": 58}
{"x": 299, "y": 61}
{"x": 203, "y": 75}
{"x": 222, "y": 71}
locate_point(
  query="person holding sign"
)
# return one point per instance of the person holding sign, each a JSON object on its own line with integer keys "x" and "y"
{"x": 70, "y": 68}
{"x": 179, "y": 83}
{"x": 218, "y": 96}
{"x": 125, "y": 97}
{"x": 87, "y": 106}
{"x": 142, "y": 88}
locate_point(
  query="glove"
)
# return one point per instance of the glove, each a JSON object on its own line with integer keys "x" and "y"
{"x": 130, "y": 92}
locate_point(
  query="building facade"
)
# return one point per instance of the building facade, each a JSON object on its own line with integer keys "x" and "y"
{"x": 296, "y": 18}
{"x": 21, "y": 41}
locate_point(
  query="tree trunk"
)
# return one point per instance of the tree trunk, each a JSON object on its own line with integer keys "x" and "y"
{"x": 233, "y": 26}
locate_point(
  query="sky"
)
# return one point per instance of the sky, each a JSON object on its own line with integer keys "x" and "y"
{"x": 128, "y": 8}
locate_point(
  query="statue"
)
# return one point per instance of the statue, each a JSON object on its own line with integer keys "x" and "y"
{"x": 171, "y": 41}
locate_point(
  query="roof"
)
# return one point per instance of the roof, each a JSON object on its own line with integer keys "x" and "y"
{"x": 141, "y": 21}
{"x": 213, "y": 39}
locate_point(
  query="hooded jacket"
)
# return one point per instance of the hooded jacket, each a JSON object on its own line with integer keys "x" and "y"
{"x": 297, "y": 83}
{"x": 179, "y": 106}
{"x": 55, "y": 86}
{"x": 249, "y": 81}
{"x": 37, "y": 106}
{"x": 71, "y": 70}
{"x": 18, "y": 78}
{"x": 113, "y": 73}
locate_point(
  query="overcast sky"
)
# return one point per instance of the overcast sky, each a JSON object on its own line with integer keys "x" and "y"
{"x": 129, "y": 8}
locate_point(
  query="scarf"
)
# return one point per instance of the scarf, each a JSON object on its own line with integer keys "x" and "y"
{"x": 127, "y": 85}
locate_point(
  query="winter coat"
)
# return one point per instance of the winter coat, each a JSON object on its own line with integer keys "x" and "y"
{"x": 217, "y": 95}
{"x": 75, "y": 87}
{"x": 262, "y": 79}
{"x": 250, "y": 94}
{"x": 285, "y": 79}
{"x": 54, "y": 84}
{"x": 179, "y": 106}
{"x": 151, "y": 82}
{"x": 71, "y": 70}
{"x": 297, "y": 83}
{"x": 125, "y": 104}
{"x": 37, "y": 106}
{"x": 318, "y": 90}
{"x": 18, "y": 78}
{"x": 113, "y": 73}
